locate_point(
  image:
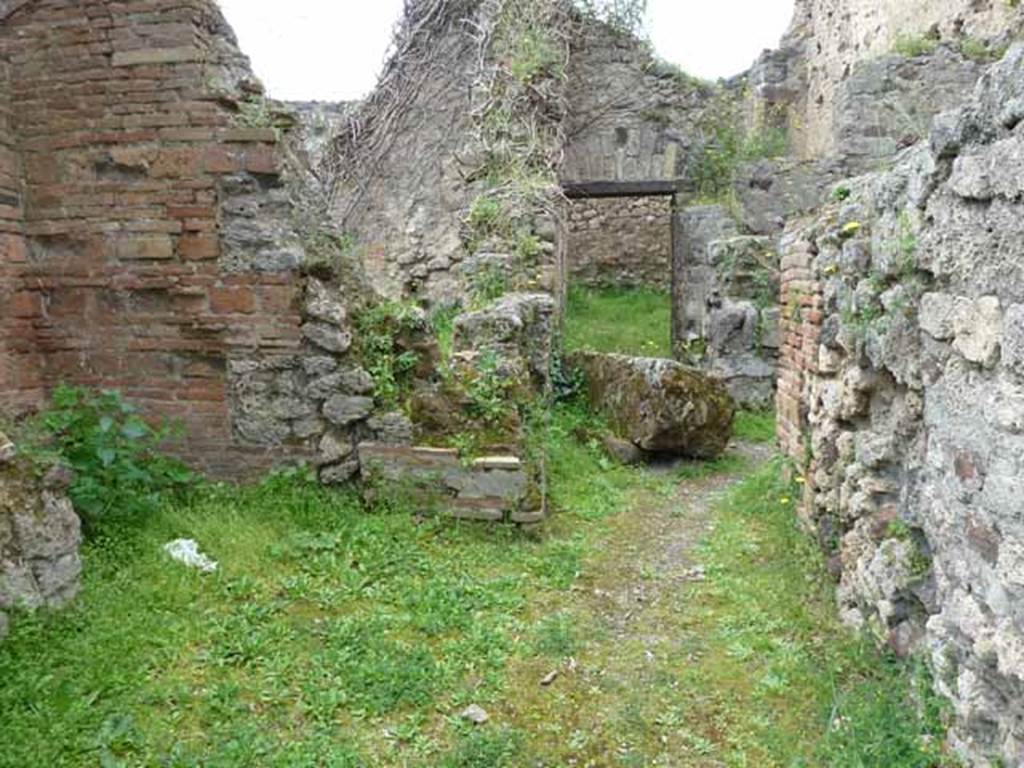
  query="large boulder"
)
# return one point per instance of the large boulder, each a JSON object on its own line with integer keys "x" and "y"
{"x": 661, "y": 406}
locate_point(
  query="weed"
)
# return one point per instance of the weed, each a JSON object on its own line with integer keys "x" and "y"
{"x": 488, "y": 283}
{"x": 119, "y": 470}
{"x": 914, "y": 45}
{"x": 255, "y": 112}
{"x": 442, "y": 324}
{"x": 626, "y": 16}
{"x": 535, "y": 56}
{"x": 486, "y": 749}
{"x": 490, "y": 390}
{"x": 841, "y": 193}
{"x": 555, "y": 636}
{"x": 384, "y": 331}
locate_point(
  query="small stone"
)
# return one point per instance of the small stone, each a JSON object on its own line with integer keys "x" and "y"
{"x": 342, "y": 410}
{"x": 498, "y": 462}
{"x": 309, "y": 426}
{"x": 979, "y": 326}
{"x": 334, "y": 449}
{"x": 391, "y": 429}
{"x": 357, "y": 381}
{"x": 475, "y": 714}
{"x": 339, "y": 473}
{"x": 327, "y": 336}
{"x": 319, "y": 365}
{"x": 59, "y": 477}
{"x": 936, "y": 315}
{"x": 7, "y": 449}
{"x": 549, "y": 678}
{"x": 321, "y": 305}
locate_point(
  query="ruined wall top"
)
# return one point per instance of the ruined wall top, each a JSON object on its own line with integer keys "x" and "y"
{"x": 835, "y": 35}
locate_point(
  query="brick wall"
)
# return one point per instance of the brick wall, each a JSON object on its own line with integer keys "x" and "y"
{"x": 126, "y": 129}
{"x": 621, "y": 242}
{"x": 800, "y": 331}
{"x": 19, "y": 362}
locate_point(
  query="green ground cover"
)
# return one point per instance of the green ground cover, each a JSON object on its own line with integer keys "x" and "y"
{"x": 630, "y": 321}
{"x": 336, "y": 635}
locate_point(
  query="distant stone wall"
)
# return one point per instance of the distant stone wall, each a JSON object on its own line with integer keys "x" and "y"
{"x": 39, "y": 537}
{"x": 724, "y": 302}
{"x": 903, "y": 394}
{"x": 630, "y": 117}
{"x": 836, "y": 35}
{"x": 623, "y": 242}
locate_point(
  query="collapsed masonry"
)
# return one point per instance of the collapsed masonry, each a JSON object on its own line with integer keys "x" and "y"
{"x": 166, "y": 230}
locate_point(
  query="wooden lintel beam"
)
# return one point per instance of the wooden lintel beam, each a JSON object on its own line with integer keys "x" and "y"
{"x": 582, "y": 189}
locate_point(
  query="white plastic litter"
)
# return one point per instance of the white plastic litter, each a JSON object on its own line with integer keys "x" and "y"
{"x": 186, "y": 551}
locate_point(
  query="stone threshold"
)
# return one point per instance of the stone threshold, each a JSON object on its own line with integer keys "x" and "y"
{"x": 494, "y": 488}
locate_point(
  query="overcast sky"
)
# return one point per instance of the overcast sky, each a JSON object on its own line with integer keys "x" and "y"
{"x": 332, "y": 50}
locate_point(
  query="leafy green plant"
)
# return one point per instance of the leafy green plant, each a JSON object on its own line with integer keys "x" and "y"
{"x": 382, "y": 329}
{"x": 488, "y": 283}
{"x": 489, "y": 389}
{"x": 841, "y": 193}
{"x": 114, "y": 453}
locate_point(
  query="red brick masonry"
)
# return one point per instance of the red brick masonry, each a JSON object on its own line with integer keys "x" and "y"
{"x": 118, "y": 127}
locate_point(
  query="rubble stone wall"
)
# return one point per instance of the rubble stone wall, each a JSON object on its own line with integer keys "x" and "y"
{"x": 902, "y": 392}
{"x": 630, "y": 117}
{"x": 836, "y": 35}
{"x": 620, "y": 242}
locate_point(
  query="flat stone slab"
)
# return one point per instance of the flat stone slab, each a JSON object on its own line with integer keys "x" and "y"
{"x": 491, "y": 488}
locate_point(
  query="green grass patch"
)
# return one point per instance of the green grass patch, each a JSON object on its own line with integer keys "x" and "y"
{"x": 754, "y": 426}
{"x": 336, "y": 635}
{"x": 332, "y": 634}
{"x": 633, "y": 321}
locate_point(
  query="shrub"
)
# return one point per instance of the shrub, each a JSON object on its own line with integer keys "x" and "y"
{"x": 385, "y": 331}
{"x": 119, "y": 469}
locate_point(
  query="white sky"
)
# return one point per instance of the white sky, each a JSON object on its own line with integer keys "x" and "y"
{"x": 333, "y": 50}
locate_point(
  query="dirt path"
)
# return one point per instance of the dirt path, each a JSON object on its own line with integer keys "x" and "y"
{"x": 621, "y": 696}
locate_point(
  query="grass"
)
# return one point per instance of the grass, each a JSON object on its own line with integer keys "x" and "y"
{"x": 745, "y": 666}
{"x": 633, "y": 321}
{"x": 754, "y": 426}
{"x": 334, "y": 635}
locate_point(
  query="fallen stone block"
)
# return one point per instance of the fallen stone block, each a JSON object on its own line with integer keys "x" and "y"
{"x": 660, "y": 406}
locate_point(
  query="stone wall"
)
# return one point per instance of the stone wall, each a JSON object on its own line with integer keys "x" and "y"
{"x": 724, "y": 302}
{"x": 833, "y": 36}
{"x": 620, "y": 242}
{"x": 160, "y": 255}
{"x": 449, "y": 162}
{"x": 630, "y": 117}
{"x": 39, "y": 537}
{"x": 903, "y": 391}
